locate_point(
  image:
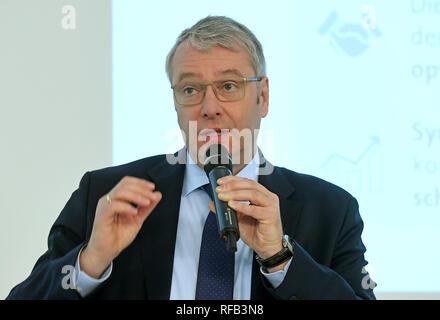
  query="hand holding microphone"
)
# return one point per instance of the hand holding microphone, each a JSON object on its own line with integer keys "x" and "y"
{"x": 257, "y": 209}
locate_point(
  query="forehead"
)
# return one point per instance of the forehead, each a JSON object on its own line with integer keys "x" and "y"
{"x": 210, "y": 64}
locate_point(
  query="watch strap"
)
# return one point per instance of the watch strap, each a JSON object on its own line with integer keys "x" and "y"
{"x": 282, "y": 256}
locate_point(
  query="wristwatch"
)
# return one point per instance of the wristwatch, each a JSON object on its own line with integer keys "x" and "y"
{"x": 282, "y": 256}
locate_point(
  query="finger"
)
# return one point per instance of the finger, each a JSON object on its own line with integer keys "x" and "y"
{"x": 249, "y": 210}
{"x": 128, "y": 181}
{"x": 155, "y": 197}
{"x": 232, "y": 183}
{"x": 121, "y": 207}
{"x": 144, "y": 212}
{"x": 142, "y": 190}
{"x": 136, "y": 185}
{"x": 228, "y": 179}
{"x": 253, "y": 196}
{"x": 128, "y": 195}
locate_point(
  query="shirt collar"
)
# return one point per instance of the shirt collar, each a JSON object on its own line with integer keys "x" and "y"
{"x": 195, "y": 177}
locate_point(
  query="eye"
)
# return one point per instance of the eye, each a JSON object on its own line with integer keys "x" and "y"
{"x": 189, "y": 91}
{"x": 229, "y": 86}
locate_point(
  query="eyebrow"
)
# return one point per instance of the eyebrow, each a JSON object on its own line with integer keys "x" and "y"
{"x": 186, "y": 75}
{"x": 224, "y": 72}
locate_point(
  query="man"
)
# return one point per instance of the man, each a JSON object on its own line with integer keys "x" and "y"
{"x": 137, "y": 231}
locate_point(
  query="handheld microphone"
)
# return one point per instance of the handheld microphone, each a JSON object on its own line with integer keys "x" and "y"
{"x": 218, "y": 164}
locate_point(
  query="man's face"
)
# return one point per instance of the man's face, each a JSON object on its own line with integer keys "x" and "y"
{"x": 218, "y": 63}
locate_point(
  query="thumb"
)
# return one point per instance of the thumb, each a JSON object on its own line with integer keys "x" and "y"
{"x": 211, "y": 206}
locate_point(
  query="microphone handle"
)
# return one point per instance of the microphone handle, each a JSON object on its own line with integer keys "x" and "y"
{"x": 226, "y": 216}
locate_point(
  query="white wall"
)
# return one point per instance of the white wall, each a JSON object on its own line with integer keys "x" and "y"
{"x": 55, "y": 119}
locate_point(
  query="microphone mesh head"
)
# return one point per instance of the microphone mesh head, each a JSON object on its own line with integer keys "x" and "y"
{"x": 217, "y": 155}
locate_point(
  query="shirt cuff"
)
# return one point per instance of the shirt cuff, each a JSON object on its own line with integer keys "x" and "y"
{"x": 86, "y": 284}
{"x": 276, "y": 278}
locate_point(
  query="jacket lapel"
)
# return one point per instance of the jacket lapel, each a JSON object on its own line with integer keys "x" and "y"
{"x": 158, "y": 234}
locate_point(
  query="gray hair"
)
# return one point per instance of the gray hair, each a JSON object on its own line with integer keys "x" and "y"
{"x": 225, "y": 32}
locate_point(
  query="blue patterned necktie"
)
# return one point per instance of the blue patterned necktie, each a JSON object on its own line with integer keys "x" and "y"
{"x": 215, "y": 279}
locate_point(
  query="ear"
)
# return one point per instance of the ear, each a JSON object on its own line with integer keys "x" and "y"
{"x": 264, "y": 96}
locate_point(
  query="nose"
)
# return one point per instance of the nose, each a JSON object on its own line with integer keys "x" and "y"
{"x": 210, "y": 105}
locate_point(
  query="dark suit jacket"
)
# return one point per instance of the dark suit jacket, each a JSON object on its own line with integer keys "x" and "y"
{"x": 322, "y": 218}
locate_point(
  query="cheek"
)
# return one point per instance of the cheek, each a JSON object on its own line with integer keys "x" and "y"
{"x": 183, "y": 117}
{"x": 247, "y": 116}
{"x": 180, "y": 120}
{"x": 189, "y": 113}
{"x": 187, "y": 120}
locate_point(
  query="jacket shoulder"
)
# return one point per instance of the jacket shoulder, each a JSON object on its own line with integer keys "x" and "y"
{"x": 310, "y": 185}
{"x": 131, "y": 168}
{"x": 316, "y": 190}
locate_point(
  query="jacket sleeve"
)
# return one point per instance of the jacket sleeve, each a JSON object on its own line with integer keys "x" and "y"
{"x": 53, "y": 275}
{"x": 344, "y": 278}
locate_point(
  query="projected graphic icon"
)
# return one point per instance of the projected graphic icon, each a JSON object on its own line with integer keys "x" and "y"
{"x": 352, "y": 39}
{"x": 363, "y": 173}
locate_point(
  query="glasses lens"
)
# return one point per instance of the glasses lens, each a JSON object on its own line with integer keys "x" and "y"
{"x": 230, "y": 90}
{"x": 192, "y": 93}
{"x": 188, "y": 93}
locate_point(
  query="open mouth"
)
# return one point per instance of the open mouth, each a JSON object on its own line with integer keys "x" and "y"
{"x": 213, "y": 134}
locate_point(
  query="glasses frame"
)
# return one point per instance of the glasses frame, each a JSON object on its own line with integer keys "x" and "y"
{"x": 205, "y": 84}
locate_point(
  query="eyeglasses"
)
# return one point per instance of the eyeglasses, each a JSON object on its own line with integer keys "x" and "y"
{"x": 189, "y": 93}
